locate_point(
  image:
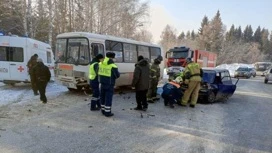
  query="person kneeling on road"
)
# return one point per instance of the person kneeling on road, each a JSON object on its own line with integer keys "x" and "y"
{"x": 172, "y": 92}
{"x": 41, "y": 75}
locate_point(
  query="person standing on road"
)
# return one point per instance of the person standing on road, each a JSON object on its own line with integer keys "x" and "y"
{"x": 31, "y": 64}
{"x": 141, "y": 82}
{"x": 107, "y": 74}
{"x": 93, "y": 76}
{"x": 154, "y": 80}
{"x": 192, "y": 74}
{"x": 41, "y": 75}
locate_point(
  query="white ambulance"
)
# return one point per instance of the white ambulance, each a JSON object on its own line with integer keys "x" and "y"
{"x": 15, "y": 52}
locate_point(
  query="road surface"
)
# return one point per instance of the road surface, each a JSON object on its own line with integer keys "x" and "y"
{"x": 242, "y": 124}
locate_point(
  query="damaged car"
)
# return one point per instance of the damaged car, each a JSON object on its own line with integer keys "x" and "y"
{"x": 216, "y": 85}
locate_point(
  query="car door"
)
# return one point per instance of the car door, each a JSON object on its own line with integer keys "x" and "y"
{"x": 270, "y": 75}
{"x": 227, "y": 88}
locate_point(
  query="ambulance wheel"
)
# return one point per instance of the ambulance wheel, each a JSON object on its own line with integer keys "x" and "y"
{"x": 210, "y": 97}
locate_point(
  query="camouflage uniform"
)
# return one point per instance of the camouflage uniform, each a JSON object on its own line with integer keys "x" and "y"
{"x": 154, "y": 80}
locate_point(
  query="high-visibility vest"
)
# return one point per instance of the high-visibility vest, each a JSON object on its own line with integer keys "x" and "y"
{"x": 194, "y": 69}
{"x": 105, "y": 70}
{"x": 92, "y": 73}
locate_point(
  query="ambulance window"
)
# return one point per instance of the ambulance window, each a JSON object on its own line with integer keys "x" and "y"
{"x": 130, "y": 53}
{"x": 16, "y": 54}
{"x": 97, "y": 49}
{"x": 49, "y": 57}
{"x": 3, "y": 53}
{"x": 144, "y": 51}
{"x": 155, "y": 52}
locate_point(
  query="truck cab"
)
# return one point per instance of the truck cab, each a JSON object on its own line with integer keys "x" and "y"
{"x": 176, "y": 58}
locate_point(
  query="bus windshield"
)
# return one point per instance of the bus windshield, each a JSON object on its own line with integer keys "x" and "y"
{"x": 177, "y": 54}
{"x": 73, "y": 51}
{"x": 262, "y": 66}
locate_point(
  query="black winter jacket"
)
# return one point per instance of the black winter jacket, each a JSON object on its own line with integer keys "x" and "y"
{"x": 141, "y": 75}
{"x": 41, "y": 73}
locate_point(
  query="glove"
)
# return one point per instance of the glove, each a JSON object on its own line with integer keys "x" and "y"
{"x": 186, "y": 81}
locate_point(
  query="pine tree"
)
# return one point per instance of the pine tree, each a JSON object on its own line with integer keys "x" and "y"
{"x": 216, "y": 36}
{"x": 230, "y": 36}
{"x": 193, "y": 36}
{"x": 264, "y": 44}
{"x": 205, "y": 22}
{"x": 258, "y": 35}
{"x": 248, "y": 34}
{"x": 239, "y": 33}
{"x": 188, "y": 35}
{"x": 181, "y": 36}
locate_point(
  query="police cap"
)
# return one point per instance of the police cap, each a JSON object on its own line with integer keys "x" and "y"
{"x": 110, "y": 55}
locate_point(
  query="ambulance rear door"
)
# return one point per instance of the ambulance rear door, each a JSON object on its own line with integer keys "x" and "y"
{"x": 18, "y": 60}
{"x": 4, "y": 62}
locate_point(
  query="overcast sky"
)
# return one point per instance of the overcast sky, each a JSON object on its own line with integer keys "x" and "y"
{"x": 187, "y": 14}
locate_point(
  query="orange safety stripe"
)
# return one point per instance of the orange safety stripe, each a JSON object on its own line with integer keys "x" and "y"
{"x": 175, "y": 84}
{"x": 66, "y": 67}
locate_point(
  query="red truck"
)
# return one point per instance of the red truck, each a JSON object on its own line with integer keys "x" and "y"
{"x": 175, "y": 58}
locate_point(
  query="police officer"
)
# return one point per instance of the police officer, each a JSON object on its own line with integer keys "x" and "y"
{"x": 107, "y": 73}
{"x": 154, "y": 80}
{"x": 41, "y": 75}
{"x": 31, "y": 64}
{"x": 93, "y": 76}
{"x": 172, "y": 92}
{"x": 192, "y": 75}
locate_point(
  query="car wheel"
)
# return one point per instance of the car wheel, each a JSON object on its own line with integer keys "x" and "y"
{"x": 265, "y": 81}
{"x": 211, "y": 97}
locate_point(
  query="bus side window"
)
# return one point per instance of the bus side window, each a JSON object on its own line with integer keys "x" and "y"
{"x": 117, "y": 48}
{"x": 144, "y": 51}
{"x": 97, "y": 49}
{"x": 154, "y": 52}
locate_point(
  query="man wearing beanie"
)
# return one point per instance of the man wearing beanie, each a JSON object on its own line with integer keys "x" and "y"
{"x": 93, "y": 76}
{"x": 107, "y": 73}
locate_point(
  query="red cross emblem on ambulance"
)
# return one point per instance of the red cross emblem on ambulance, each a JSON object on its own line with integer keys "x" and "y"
{"x": 20, "y": 68}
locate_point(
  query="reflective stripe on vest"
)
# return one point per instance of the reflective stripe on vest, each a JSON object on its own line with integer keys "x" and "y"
{"x": 92, "y": 73}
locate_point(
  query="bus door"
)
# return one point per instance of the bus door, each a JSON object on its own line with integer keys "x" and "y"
{"x": 50, "y": 63}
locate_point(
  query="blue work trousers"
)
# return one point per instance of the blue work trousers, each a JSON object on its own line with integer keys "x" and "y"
{"x": 95, "y": 101}
{"x": 106, "y": 98}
